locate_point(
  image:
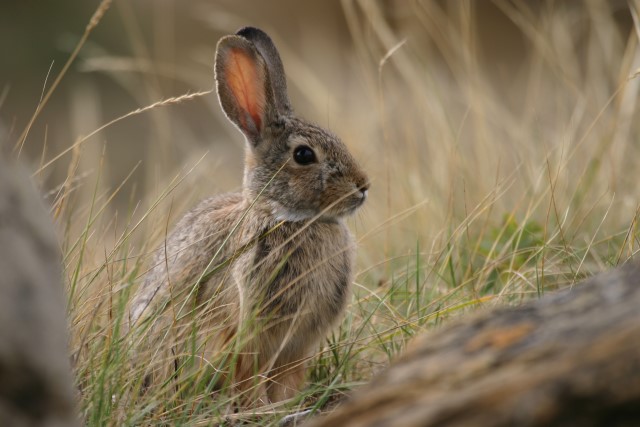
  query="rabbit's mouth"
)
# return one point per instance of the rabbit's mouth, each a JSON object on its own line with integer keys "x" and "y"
{"x": 338, "y": 209}
{"x": 347, "y": 204}
{"x": 355, "y": 200}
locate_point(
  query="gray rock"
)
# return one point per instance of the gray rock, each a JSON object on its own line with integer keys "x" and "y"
{"x": 36, "y": 386}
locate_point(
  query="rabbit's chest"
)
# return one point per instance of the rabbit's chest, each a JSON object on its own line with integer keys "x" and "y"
{"x": 304, "y": 273}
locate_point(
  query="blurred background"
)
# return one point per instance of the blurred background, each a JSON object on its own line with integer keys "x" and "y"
{"x": 470, "y": 117}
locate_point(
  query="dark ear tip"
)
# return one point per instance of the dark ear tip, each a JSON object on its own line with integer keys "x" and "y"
{"x": 252, "y": 33}
{"x": 244, "y": 31}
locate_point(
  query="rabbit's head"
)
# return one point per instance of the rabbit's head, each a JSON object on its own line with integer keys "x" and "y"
{"x": 302, "y": 170}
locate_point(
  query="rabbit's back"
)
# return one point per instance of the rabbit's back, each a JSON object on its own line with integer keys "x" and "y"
{"x": 200, "y": 244}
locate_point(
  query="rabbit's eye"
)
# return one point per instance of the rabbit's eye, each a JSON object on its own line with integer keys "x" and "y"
{"x": 304, "y": 155}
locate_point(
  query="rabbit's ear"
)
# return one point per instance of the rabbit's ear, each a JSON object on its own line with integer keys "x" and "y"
{"x": 244, "y": 87}
{"x": 278, "y": 79}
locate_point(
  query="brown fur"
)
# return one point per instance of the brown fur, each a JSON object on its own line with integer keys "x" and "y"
{"x": 269, "y": 269}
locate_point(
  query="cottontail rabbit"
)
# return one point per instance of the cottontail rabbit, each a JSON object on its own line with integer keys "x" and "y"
{"x": 272, "y": 264}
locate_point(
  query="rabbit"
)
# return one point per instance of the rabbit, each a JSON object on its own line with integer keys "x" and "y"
{"x": 271, "y": 265}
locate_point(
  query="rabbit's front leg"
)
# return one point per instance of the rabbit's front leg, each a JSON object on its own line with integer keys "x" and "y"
{"x": 286, "y": 379}
{"x": 249, "y": 383}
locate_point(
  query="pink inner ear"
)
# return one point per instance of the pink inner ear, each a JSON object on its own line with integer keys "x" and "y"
{"x": 246, "y": 80}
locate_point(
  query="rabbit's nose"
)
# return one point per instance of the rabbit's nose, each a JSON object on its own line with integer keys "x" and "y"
{"x": 364, "y": 188}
